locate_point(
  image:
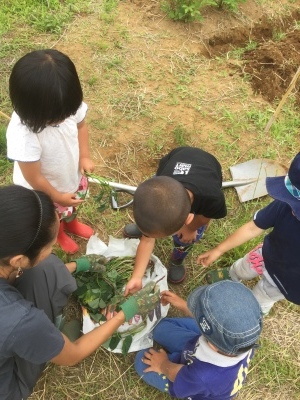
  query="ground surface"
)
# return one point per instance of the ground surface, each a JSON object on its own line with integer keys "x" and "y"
{"x": 152, "y": 84}
{"x": 155, "y": 75}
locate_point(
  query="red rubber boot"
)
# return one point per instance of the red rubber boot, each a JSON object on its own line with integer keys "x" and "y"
{"x": 66, "y": 243}
{"x": 78, "y": 229}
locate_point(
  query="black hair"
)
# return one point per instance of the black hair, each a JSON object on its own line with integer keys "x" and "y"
{"x": 44, "y": 88}
{"x": 161, "y": 206}
{"x": 28, "y": 219}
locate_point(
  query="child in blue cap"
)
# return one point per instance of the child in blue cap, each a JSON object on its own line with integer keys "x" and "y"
{"x": 205, "y": 357}
{"x": 277, "y": 259}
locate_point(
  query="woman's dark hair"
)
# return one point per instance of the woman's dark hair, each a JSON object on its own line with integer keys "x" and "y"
{"x": 28, "y": 220}
{"x": 161, "y": 205}
{"x": 44, "y": 88}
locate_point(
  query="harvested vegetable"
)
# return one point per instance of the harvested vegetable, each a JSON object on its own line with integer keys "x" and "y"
{"x": 103, "y": 287}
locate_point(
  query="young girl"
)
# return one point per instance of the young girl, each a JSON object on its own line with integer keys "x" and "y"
{"x": 47, "y": 136}
{"x": 32, "y": 296}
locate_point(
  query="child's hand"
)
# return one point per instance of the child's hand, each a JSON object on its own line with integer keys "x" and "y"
{"x": 167, "y": 297}
{"x": 109, "y": 312}
{"x": 68, "y": 200}
{"x": 133, "y": 285}
{"x": 209, "y": 257}
{"x": 154, "y": 359}
{"x": 86, "y": 165}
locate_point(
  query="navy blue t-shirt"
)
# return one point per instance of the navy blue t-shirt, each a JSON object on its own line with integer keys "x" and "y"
{"x": 201, "y": 173}
{"x": 199, "y": 380}
{"x": 281, "y": 247}
{"x": 28, "y": 340}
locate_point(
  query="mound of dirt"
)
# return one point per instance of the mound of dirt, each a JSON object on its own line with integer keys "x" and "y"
{"x": 273, "y": 65}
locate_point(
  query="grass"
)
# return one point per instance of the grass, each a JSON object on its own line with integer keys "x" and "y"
{"x": 150, "y": 89}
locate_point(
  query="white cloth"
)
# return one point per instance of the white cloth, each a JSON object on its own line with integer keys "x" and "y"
{"x": 56, "y": 147}
{"x": 206, "y": 354}
{"x": 143, "y": 338}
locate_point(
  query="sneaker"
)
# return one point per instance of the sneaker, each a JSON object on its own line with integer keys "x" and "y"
{"x": 131, "y": 231}
{"x": 176, "y": 271}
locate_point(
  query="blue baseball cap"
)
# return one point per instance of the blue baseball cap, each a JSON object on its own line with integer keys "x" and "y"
{"x": 228, "y": 314}
{"x": 287, "y": 188}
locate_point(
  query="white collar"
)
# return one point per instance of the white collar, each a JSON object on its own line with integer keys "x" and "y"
{"x": 205, "y": 353}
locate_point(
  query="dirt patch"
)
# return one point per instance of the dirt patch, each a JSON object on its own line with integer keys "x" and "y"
{"x": 273, "y": 65}
{"x": 145, "y": 76}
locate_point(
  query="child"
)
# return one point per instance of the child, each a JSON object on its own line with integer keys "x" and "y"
{"x": 207, "y": 356}
{"x": 277, "y": 259}
{"x": 180, "y": 201}
{"x": 47, "y": 136}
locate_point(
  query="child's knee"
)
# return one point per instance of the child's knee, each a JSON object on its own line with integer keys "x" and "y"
{"x": 161, "y": 328}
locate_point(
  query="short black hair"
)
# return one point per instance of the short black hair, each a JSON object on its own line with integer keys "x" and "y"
{"x": 161, "y": 206}
{"x": 28, "y": 219}
{"x": 44, "y": 88}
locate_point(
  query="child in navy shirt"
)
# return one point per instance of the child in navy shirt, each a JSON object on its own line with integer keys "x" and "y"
{"x": 277, "y": 259}
{"x": 205, "y": 357}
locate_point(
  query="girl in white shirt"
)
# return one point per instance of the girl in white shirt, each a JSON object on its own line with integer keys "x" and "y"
{"x": 47, "y": 136}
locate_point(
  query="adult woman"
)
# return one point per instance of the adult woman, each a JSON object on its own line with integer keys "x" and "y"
{"x": 31, "y": 298}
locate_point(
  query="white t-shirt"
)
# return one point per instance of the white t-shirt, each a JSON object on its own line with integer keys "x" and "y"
{"x": 56, "y": 147}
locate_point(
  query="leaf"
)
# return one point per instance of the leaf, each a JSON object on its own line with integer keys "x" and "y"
{"x": 102, "y": 303}
{"x": 114, "y": 341}
{"x": 112, "y": 274}
{"x": 97, "y": 317}
{"x": 126, "y": 344}
{"x": 158, "y": 311}
{"x": 94, "y": 304}
{"x": 80, "y": 291}
{"x": 151, "y": 315}
{"x": 102, "y": 207}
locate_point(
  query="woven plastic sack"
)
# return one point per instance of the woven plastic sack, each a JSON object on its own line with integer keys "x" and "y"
{"x": 121, "y": 248}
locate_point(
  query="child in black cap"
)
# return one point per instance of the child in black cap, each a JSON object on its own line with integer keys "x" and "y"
{"x": 277, "y": 259}
{"x": 180, "y": 200}
{"x": 205, "y": 357}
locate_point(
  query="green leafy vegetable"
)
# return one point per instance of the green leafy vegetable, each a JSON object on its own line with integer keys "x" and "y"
{"x": 103, "y": 198}
{"x": 126, "y": 344}
{"x": 103, "y": 287}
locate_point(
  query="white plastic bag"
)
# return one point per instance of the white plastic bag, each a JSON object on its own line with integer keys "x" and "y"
{"x": 122, "y": 248}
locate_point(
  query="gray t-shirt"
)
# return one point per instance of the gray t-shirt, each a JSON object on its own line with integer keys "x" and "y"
{"x": 28, "y": 340}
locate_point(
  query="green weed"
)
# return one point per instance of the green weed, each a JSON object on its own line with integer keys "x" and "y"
{"x": 108, "y": 12}
{"x": 181, "y": 135}
{"x": 184, "y": 10}
{"x": 45, "y": 15}
{"x": 190, "y": 10}
{"x": 5, "y": 164}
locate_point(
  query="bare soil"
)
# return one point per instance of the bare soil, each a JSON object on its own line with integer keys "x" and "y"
{"x": 272, "y": 64}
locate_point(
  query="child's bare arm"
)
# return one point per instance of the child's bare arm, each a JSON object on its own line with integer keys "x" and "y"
{"x": 85, "y": 163}
{"x": 32, "y": 173}
{"x": 143, "y": 253}
{"x": 240, "y": 236}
